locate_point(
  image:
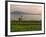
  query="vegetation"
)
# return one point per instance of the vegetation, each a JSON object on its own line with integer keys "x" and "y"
{"x": 25, "y": 26}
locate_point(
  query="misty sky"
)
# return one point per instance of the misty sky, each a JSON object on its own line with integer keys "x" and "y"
{"x": 32, "y": 12}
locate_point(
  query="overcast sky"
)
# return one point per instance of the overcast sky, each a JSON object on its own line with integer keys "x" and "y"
{"x": 28, "y": 9}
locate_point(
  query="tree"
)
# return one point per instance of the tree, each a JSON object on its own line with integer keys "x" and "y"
{"x": 20, "y": 19}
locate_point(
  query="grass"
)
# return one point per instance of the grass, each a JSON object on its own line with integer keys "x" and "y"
{"x": 33, "y": 26}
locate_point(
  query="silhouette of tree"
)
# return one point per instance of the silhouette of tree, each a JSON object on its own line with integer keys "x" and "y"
{"x": 20, "y": 19}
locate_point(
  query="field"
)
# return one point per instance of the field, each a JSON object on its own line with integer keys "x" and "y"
{"x": 17, "y": 26}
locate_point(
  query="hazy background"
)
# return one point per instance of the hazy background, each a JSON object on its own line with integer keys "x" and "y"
{"x": 29, "y": 12}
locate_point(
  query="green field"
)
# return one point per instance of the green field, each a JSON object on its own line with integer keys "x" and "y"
{"x": 25, "y": 26}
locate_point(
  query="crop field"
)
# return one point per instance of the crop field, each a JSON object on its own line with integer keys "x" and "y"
{"x": 18, "y": 26}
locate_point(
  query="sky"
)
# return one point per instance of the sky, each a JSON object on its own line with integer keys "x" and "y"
{"x": 29, "y": 12}
{"x": 27, "y": 8}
